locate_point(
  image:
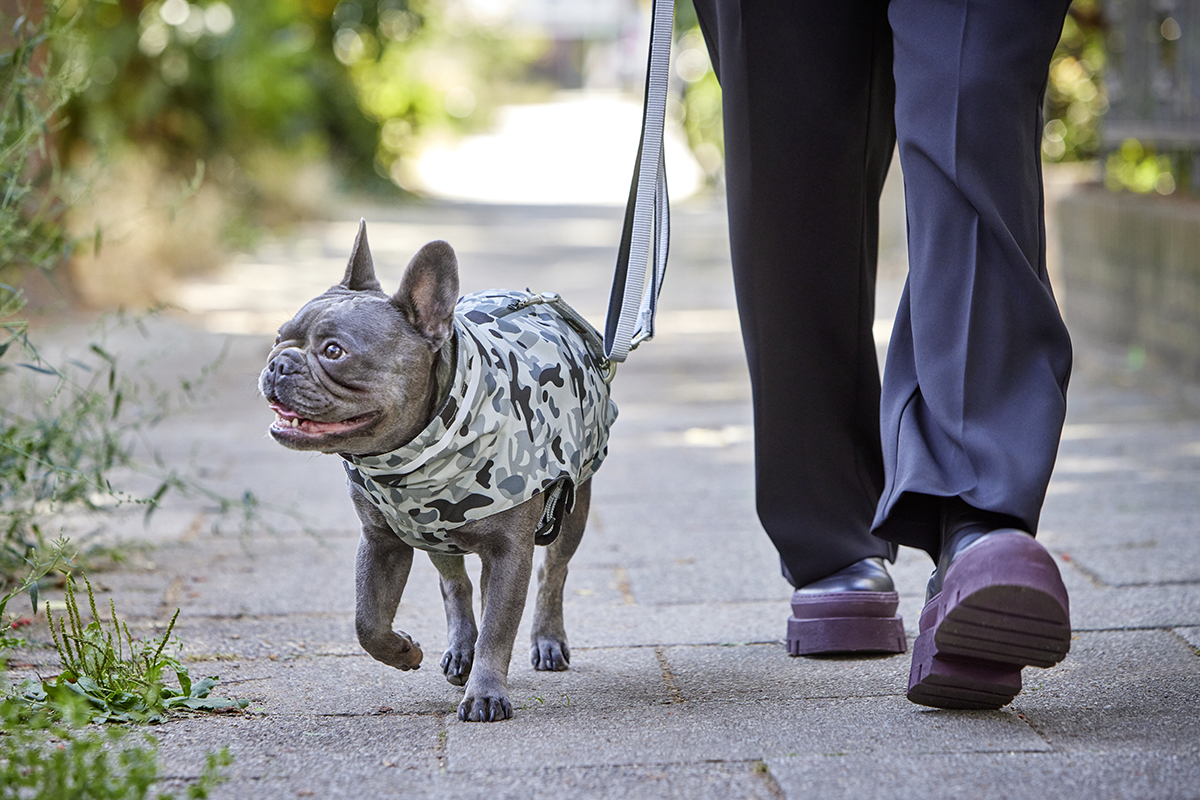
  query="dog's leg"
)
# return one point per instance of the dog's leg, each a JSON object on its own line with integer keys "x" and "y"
{"x": 460, "y": 618}
{"x": 381, "y": 571}
{"x": 549, "y": 649}
{"x": 485, "y": 569}
{"x": 504, "y": 543}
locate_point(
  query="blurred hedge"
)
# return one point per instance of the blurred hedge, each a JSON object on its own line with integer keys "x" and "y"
{"x": 199, "y": 80}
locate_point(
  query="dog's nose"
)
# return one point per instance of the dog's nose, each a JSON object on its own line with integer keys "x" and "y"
{"x": 289, "y": 362}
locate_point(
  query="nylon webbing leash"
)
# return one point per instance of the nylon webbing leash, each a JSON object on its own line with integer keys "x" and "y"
{"x": 631, "y": 306}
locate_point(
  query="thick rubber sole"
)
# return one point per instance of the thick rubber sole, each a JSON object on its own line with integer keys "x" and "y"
{"x": 845, "y": 622}
{"x": 1002, "y": 607}
{"x": 949, "y": 683}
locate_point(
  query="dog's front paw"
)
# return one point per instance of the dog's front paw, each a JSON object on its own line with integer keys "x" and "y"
{"x": 396, "y": 649}
{"x": 484, "y": 706}
{"x": 550, "y": 654}
{"x": 456, "y": 665}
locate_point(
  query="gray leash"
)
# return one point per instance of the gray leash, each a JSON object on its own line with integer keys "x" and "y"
{"x": 631, "y": 306}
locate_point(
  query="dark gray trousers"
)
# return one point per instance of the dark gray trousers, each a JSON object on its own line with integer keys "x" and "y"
{"x": 816, "y": 96}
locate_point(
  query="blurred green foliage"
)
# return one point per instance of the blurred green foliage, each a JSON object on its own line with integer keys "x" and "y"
{"x": 1075, "y": 95}
{"x": 1139, "y": 169}
{"x": 33, "y": 90}
{"x": 355, "y": 81}
{"x": 197, "y": 81}
{"x": 702, "y": 118}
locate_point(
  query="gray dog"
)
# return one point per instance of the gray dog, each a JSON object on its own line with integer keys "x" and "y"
{"x": 467, "y": 426}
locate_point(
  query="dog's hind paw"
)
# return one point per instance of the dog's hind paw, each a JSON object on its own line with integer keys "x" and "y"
{"x": 456, "y": 665}
{"x": 550, "y": 654}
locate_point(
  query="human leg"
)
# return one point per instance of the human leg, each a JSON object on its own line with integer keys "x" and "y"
{"x": 808, "y": 136}
{"x": 974, "y": 391}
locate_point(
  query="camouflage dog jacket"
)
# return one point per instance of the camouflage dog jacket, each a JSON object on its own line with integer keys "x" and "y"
{"x": 528, "y": 412}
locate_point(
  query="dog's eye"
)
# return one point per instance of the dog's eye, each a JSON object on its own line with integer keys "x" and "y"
{"x": 278, "y": 338}
{"x": 333, "y": 351}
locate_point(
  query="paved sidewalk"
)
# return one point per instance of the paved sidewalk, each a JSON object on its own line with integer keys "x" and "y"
{"x": 680, "y": 685}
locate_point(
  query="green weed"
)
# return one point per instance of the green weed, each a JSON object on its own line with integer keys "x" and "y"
{"x": 120, "y": 679}
{"x": 47, "y": 749}
{"x": 38, "y": 569}
{"x": 44, "y": 756}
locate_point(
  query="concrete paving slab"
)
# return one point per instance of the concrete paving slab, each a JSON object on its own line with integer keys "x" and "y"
{"x": 718, "y": 574}
{"x": 1123, "y": 691}
{"x": 695, "y": 624}
{"x": 242, "y": 638}
{"x": 1140, "y": 564}
{"x": 349, "y": 686}
{"x": 1150, "y": 547}
{"x": 332, "y": 686}
{"x": 997, "y": 776}
{"x": 1074, "y": 503}
{"x": 733, "y": 730}
{"x": 220, "y": 577}
{"x": 1135, "y": 607}
{"x": 676, "y": 781}
{"x": 300, "y": 748}
{"x": 1191, "y": 635}
{"x": 766, "y": 673}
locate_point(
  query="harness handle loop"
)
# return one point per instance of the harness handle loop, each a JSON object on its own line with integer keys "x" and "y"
{"x": 632, "y": 305}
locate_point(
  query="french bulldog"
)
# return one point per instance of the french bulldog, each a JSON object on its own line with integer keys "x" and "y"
{"x": 467, "y": 426}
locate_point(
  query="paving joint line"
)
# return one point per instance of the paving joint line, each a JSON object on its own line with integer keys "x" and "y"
{"x": 1151, "y": 584}
{"x": 669, "y": 677}
{"x": 1175, "y": 632}
{"x": 1168, "y": 628}
{"x": 1092, "y": 578}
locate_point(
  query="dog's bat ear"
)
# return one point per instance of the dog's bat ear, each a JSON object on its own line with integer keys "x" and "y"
{"x": 360, "y": 272}
{"x": 428, "y": 292}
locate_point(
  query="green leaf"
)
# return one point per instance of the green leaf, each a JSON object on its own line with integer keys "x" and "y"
{"x": 41, "y": 369}
{"x": 85, "y": 685}
{"x": 152, "y": 503}
{"x": 210, "y": 703}
{"x": 100, "y": 351}
{"x": 185, "y": 681}
{"x": 33, "y": 595}
{"x": 205, "y": 686}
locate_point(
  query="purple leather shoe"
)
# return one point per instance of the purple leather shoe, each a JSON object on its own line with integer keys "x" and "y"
{"x": 851, "y": 611}
{"x": 1000, "y": 606}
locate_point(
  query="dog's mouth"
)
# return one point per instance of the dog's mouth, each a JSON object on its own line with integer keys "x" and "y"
{"x": 289, "y": 424}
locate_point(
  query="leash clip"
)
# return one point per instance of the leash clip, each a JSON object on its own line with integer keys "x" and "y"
{"x": 591, "y": 338}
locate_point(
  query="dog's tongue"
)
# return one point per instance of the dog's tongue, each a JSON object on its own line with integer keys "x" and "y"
{"x": 286, "y": 418}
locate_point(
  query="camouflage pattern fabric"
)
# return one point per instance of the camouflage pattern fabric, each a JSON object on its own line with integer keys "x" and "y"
{"x": 528, "y": 412}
